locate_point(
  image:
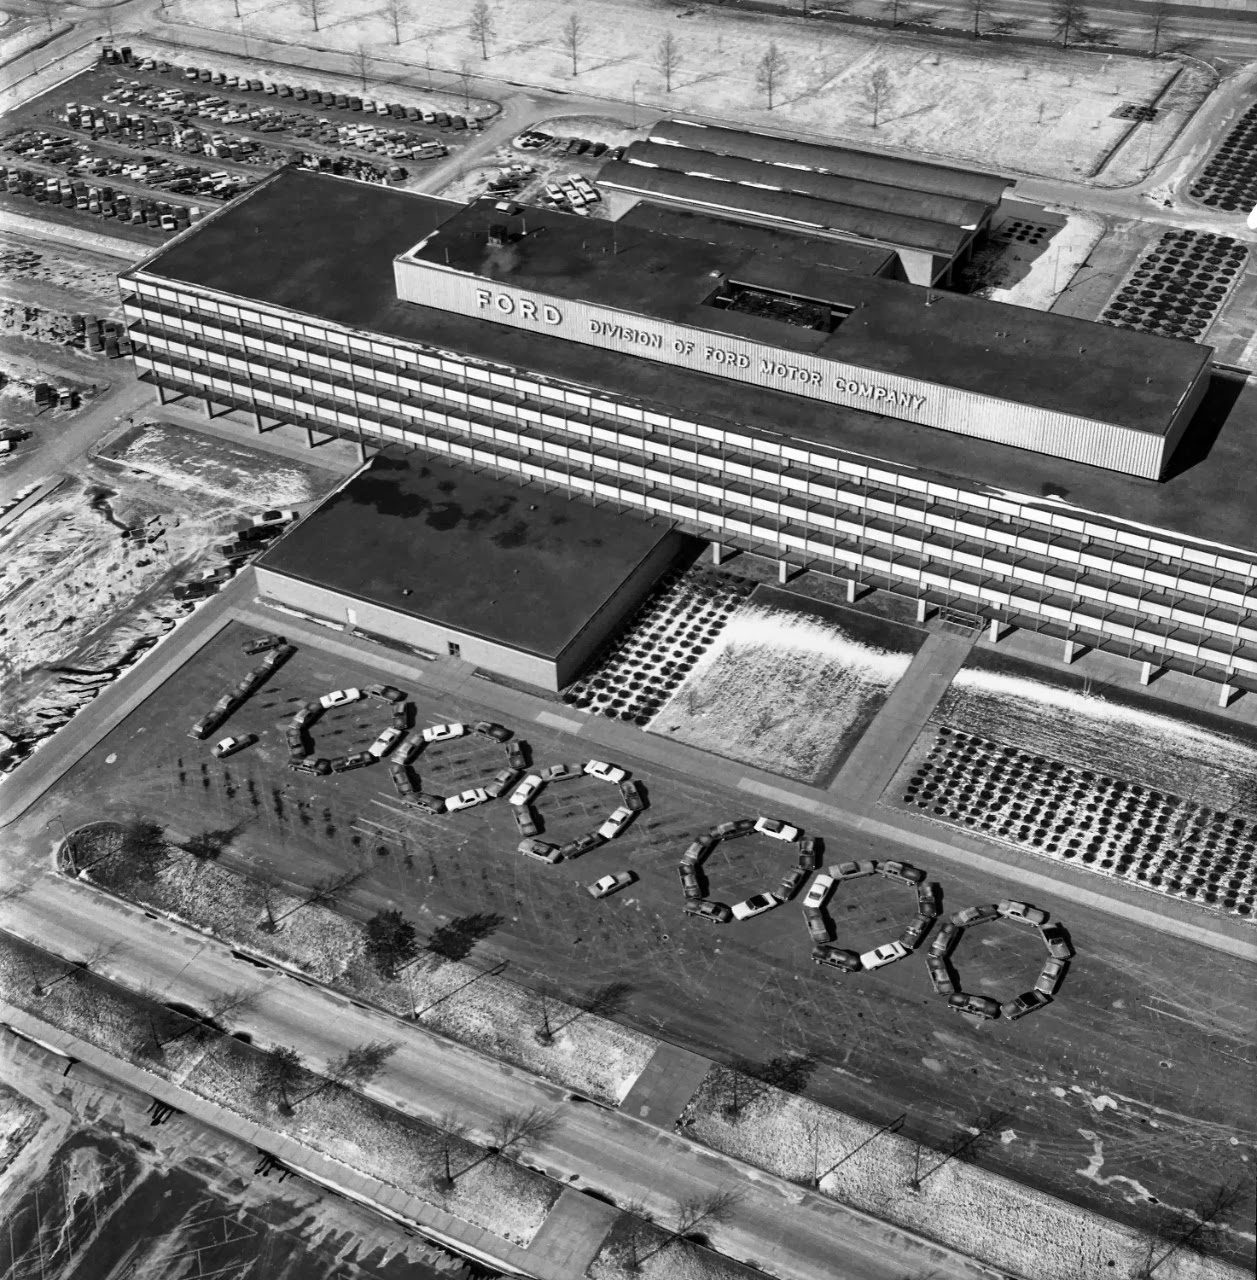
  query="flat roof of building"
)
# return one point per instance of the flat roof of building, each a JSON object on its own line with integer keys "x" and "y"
{"x": 777, "y": 242}
{"x": 847, "y": 162}
{"x": 478, "y": 554}
{"x": 836, "y": 189}
{"x": 807, "y": 213}
{"x": 340, "y": 238}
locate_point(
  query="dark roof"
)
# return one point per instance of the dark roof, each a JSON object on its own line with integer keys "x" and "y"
{"x": 840, "y": 190}
{"x": 804, "y": 212}
{"x": 353, "y": 230}
{"x": 479, "y": 554}
{"x": 776, "y": 242}
{"x": 895, "y": 171}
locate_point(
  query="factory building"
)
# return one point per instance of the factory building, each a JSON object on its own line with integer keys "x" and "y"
{"x": 789, "y": 398}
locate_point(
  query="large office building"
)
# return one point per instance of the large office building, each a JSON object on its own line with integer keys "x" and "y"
{"x": 783, "y": 394}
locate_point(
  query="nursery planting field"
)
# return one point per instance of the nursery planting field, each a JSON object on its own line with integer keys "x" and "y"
{"x": 1130, "y": 1094}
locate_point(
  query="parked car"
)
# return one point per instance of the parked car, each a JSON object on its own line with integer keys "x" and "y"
{"x": 616, "y": 822}
{"x": 443, "y": 732}
{"x": 306, "y": 716}
{"x": 1050, "y": 975}
{"x": 887, "y": 953}
{"x": 632, "y": 794}
{"x": 853, "y": 870}
{"x": 1023, "y": 1004}
{"x": 837, "y": 958}
{"x": 810, "y": 850}
{"x": 525, "y": 820}
{"x": 517, "y": 754}
{"x": 1021, "y": 912}
{"x": 402, "y": 781}
{"x": 904, "y": 871}
{"x": 236, "y": 550}
{"x": 273, "y": 517}
{"x": 976, "y": 915}
{"x": 699, "y": 849}
{"x": 278, "y": 656}
{"x": 689, "y": 880}
{"x": 229, "y": 746}
{"x": 607, "y": 772}
{"x": 310, "y": 764}
{"x": 358, "y": 760}
{"x": 428, "y": 803}
{"x": 339, "y": 698}
{"x": 487, "y": 729}
{"x": 1057, "y": 941}
{"x": 501, "y": 783}
{"x": 560, "y": 772}
{"x": 776, "y": 829}
{"x": 713, "y": 912}
{"x": 409, "y": 747}
{"x": 295, "y": 738}
{"x": 582, "y": 844}
{"x": 386, "y": 741}
{"x": 541, "y": 850}
{"x": 791, "y": 883}
{"x": 817, "y": 929}
{"x": 400, "y": 719}
{"x": 927, "y": 900}
{"x": 941, "y": 977}
{"x": 526, "y": 790}
{"x": 193, "y": 590}
{"x": 945, "y": 940}
{"x": 731, "y": 830}
{"x": 914, "y": 932}
{"x": 979, "y": 1006}
{"x": 610, "y": 884}
{"x": 466, "y": 799}
{"x": 755, "y": 905}
{"x": 385, "y": 692}
{"x": 260, "y": 644}
{"x": 818, "y": 892}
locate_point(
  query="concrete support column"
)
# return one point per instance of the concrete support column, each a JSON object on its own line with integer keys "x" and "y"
{"x": 995, "y": 631}
{"x": 1072, "y": 650}
{"x": 161, "y": 394}
{"x": 209, "y": 408}
{"x": 1227, "y": 694}
{"x": 783, "y": 572}
{"x": 362, "y": 449}
{"x": 1148, "y": 672}
{"x": 852, "y": 588}
{"x": 257, "y": 420}
{"x": 923, "y": 610}
{"x": 717, "y": 552}
{"x": 309, "y": 438}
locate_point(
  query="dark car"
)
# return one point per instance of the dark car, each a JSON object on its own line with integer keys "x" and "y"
{"x": 428, "y": 803}
{"x": 278, "y": 656}
{"x": 791, "y": 882}
{"x": 401, "y": 719}
{"x": 409, "y": 747}
{"x": 838, "y": 958}
{"x": 945, "y": 940}
{"x": 632, "y": 794}
{"x": 235, "y": 551}
{"x": 1057, "y": 941}
{"x": 501, "y": 783}
{"x": 359, "y": 760}
{"x": 517, "y": 754}
{"x": 903, "y": 871}
{"x": 1023, "y": 1004}
{"x": 309, "y": 764}
{"x": 713, "y": 912}
{"x": 731, "y": 830}
{"x": 927, "y": 900}
{"x": 915, "y": 931}
{"x": 296, "y": 738}
{"x": 262, "y": 643}
{"x": 941, "y": 977}
{"x": 976, "y": 915}
{"x": 582, "y": 844}
{"x": 541, "y": 850}
{"x": 487, "y": 729}
{"x": 402, "y": 781}
{"x": 978, "y": 1006}
{"x": 810, "y": 851}
{"x": 689, "y": 880}
{"x": 817, "y": 929}
{"x": 385, "y": 692}
{"x": 193, "y": 590}
{"x": 698, "y": 849}
{"x": 853, "y": 870}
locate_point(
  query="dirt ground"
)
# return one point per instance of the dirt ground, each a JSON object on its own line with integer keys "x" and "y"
{"x": 1121, "y": 1094}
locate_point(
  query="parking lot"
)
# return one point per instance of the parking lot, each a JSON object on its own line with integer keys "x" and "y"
{"x": 1121, "y": 1091}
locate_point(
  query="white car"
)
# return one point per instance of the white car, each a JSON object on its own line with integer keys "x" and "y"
{"x": 385, "y": 742}
{"x": 339, "y": 697}
{"x": 756, "y": 905}
{"x": 777, "y": 829}
{"x": 888, "y": 953}
{"x": 271, "y": 517}
{"x": 229, "y": 746}
{"x": 818, "y": 892}
{"x": 607, "y": 772}
{"x": 442, "y": 732}
{"x": 525, "y": 791}
{"x": 616, "y": 823}
{"x": 466, "y": 799}
{"x": 610, "y": 884}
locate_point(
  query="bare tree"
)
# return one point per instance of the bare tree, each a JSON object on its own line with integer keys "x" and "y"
{"x": 742, "y": 1083}
{"x": 97, "y": 955}
{"x": 47, "y": 9}
{"x": 360, "y": 61}
{"x": 511, "y": 1131}
{"x": 1069, "y": 18}
{"x": 312, "y": 9}
{"x": 769, "y": 72}
{"x": 480, "y": 26}
{"x": 279, "y": 1070}
{"x": 143, "y": 842}
{"x": 1160, "y": 19}
{"x": 977, "y": 10}
{"x": 877, "y": 92}
{"x": 397, "y": 12}
{"x": 1200, "y": 1229}
{"x": 464, "y": 83}
{"x": 668, "y": 58}
{"x": 208, "y": 845}
{"x": 966, "y": 1145}
{"x": 573, "y": 38}
{"x": 353, "y": 1069}
{"x": 448, "y": 1140}
{"x": 693, "y": 1215}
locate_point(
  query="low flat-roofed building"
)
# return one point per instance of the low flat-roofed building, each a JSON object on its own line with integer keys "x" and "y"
{"x": 521, "y": 584}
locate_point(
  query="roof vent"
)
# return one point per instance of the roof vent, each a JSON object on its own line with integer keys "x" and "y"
{"x": 497, "y": 233}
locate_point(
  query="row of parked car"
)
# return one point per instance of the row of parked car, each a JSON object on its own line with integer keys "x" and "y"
{"x": 276, "y": 654}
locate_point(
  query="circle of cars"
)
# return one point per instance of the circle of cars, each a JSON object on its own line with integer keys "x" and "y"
{"x": 827, "y": 952}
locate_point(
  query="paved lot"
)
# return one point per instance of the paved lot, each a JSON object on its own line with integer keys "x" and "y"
{"x": 1122, "y": 1091}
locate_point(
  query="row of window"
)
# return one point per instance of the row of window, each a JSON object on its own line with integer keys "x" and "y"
{"x": 985, "y": 505}
{"x": 921, "y": 572}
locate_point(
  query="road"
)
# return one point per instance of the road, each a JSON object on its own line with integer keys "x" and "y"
{"x": 779, "y": 1227}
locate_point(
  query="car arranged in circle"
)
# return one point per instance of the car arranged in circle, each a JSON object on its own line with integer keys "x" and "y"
{"x": 608, "y": 885}
{"x": 755, "y": 905}
{"x": 525, "y": 820}
{"x": 976, "y": 915}
{"x": 818, "y": 892}
{"x": 689, "y": 881}
{"x": 466, "y": 799}
{"x": 582, "y": 844}
{"x": 1021, "y": 912}
{"x": 501, "y": 783}
{"x": 902, "y": 871}
{"x": 734, "y": 828}
{"x": 443, "y": 732}
{"x": 516, "y": 756}
{"x": 339, "y": 698}
{"x": 838, "y": 958}
{"x": 1050, "y": 975}
{"x": 262, "y": 643}
{"x": 488, "y": 729}
{"x": 713, "y": 912}
{"x": 776, "y": 829}
{"x": 542, "y": 850}
{"x": 978, "y": 1006}
{"x": 853, "y": 870}
{"x": 384, "y": 692}
{"x": 1023, "y": 1004}
{"x": 229, "y": 746}
{"x": 526, "y": 790}
{"x": 1057, "y": 941}
{"x": 560, "y": 772}
{"x": 358, "y": 760}
{"x": 941, "y": 977}
{"x": 631, "y": 794}
{"x": 387, "y": 740}
{"x": 914, "y": 931}
{"x": 616, "y": 822}
{"x": 607, "y": 772}
{"x": 945, "y": 940}
{"x": 887, "y": 953}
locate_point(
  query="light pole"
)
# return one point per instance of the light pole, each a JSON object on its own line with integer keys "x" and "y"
{"x": 635, "y": 84}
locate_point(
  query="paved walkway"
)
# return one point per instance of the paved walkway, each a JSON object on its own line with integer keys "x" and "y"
{"x": 887, "y": 740}
{"x": 659, "y": 1094}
